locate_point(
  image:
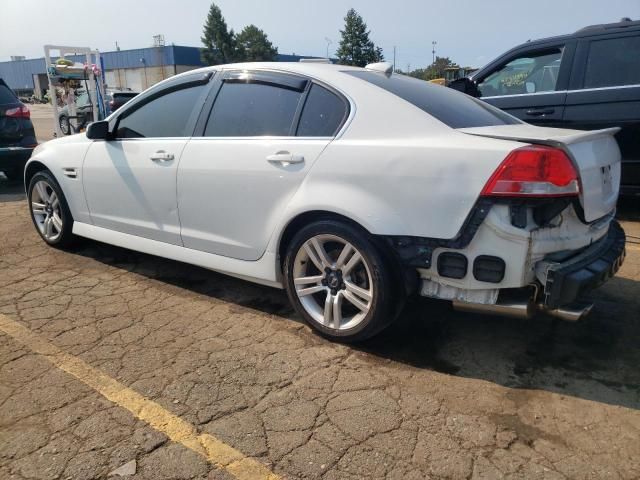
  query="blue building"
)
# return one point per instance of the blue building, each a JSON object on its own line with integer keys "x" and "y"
{"x": 135, "y": 69}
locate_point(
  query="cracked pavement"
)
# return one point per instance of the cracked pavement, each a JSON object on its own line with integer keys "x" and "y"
{"x": 439, "y": 395}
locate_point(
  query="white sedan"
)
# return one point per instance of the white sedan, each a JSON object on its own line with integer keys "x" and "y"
{"x": 351, "y": 188}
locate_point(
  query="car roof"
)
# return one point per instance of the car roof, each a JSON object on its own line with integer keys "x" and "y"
{"x": 599, "y": 29}
{"x": 327, "y": 72}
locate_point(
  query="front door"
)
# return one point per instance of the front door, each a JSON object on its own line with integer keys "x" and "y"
{"x": 259, "y": 143}
{"x": 526, "y": 86}
{"x": 130, "y": 180}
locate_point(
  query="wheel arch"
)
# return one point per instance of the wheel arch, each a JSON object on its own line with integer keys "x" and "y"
{"x": 407, "y": 277}
{"x": 33, "y": 167}
{"x": 305, "y": 218}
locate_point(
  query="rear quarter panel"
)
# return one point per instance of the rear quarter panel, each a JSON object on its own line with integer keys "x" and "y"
{"x": 406, "y": 186}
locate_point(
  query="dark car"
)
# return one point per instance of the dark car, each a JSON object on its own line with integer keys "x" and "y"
{"x": 17, "y": 136}
{"x": 587, "y": 80}
{"x": 118, "y": 99}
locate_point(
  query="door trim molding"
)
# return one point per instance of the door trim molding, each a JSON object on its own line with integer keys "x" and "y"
{"x": 577, "y": 90}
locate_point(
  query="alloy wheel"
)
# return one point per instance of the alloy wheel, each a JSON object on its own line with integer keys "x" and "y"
{"x": 47, "y": 211}
{"x": 333, "y": 282}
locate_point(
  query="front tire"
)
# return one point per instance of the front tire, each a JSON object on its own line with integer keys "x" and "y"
{"x": 49, "y": 210}
{"x": 339, "y": 282}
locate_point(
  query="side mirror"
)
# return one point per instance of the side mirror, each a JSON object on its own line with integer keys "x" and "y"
{"x": 530, "y": 87}
{"x": 98, "y": 130}
{"x": 465, "y": 85}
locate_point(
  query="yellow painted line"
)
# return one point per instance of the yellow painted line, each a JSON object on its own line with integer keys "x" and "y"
{"x": 178, "y": 430}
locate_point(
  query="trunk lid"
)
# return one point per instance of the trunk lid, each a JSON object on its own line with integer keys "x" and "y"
{"x": 595, "y": 154}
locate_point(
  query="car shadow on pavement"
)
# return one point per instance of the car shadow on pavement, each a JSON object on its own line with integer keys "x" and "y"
{"x": 10, "y": 191}
{"x": 594, "y": 359}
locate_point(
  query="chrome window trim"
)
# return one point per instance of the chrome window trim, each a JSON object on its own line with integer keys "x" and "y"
{"x": 595, "y": 89}
{"x": 262, "y": 138}
{"x": 525, "y": 94}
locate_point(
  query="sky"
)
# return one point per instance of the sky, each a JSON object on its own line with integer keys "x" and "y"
{"x": 470, "y": 32}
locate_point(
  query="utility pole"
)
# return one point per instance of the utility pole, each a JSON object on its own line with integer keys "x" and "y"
{"x": 433, "y": 50}
{"x": 408, "y": 68}
{"x": 329, "y": 42}
{"x": 394, "y": 59}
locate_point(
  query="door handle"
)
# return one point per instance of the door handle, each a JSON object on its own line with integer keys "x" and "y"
{"x": 285, "y": 158}
{"x": 161, "y": 156}
{"x": 539, "y": 112}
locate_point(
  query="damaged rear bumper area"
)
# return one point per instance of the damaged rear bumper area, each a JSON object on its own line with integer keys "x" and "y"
{"x": 561, "y": 285}
{"x": 564, "y": 282}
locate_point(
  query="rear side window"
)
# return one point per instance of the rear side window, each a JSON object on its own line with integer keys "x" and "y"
{"x": 253, "y": 109}
{"x": 6, "y": 95}
{"x": 452, "y": 108}
{"x": 613, "y": 62}
{"x": 164, "y": 116}
{"x": 323, "y": 113}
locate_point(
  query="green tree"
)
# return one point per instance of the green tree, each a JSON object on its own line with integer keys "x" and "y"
{"x": 219, "y": 41}
{"x": 379, "y": 57}
{"x": 435, "y": 70}
{"x": 356, "y": 48}
{"x": 254, "y": 46}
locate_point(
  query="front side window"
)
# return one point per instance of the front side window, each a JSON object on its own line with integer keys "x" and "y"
{"x": 323, "y": 114}
{"x": 164, "y": 116}
{"x": 452, "y": 108}
{"x": 525, "y": 74}
{"x": 253, "y": 109}
{"x": 613, "y": 62}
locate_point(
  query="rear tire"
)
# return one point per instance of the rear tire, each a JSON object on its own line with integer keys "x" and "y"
{"x": 49, "y": 211}
{"x": 339, "y": 282}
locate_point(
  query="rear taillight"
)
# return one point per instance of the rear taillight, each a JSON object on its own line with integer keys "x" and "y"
{"x": 18, "y": 112}
{"x": 534, "y": 171}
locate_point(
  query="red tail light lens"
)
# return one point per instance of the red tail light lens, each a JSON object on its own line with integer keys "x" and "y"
{"x": 19, "y": 112}
{"x": 534, "y": 171}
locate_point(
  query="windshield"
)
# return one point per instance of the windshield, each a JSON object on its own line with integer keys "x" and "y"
{"x": 452, "y": 108}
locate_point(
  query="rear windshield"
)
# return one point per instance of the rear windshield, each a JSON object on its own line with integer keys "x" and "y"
{"x": 452, "y": 108}
{"x": 6, "y": 95}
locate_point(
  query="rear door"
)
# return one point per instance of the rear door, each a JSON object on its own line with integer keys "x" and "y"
{"x": 530, "y": 83}
{"x": 258, "y": 141}
{"x": 605, "y": 92}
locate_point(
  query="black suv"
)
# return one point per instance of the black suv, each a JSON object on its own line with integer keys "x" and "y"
{"x": 586, "y": 80}
{"x": 17, "y": 137}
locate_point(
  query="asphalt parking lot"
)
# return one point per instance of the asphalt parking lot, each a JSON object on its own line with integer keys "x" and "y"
{"x": 111, "y": 359}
